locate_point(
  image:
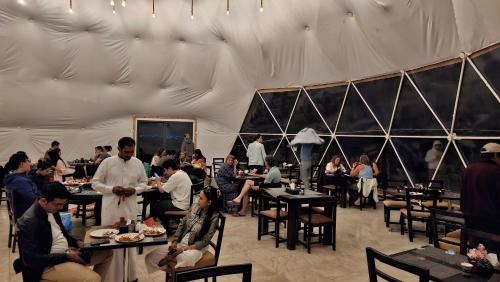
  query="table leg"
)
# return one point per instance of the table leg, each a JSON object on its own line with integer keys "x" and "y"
{"x": 125, "y": 265}
{"x": 328, "y": 231}
{"x": 145, "y": 203}
{"x": 291, "y": 231}
{"x": 98, "y": 211}
{"x": 344, "y": 196}
{"x": 84, "y": 214}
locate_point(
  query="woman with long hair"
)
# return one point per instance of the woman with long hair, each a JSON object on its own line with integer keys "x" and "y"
{"x": 193, "y": 235}
{"x": 60, "y": 166}
{"x": 199, "y": 161}
{"x": 335, "y": 165}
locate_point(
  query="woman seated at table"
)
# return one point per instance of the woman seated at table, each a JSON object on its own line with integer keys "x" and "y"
{"x": 364, "y": 171}
{"x": 273, "y": 176}
{"x": 335, "y": 165}
{"x": 192, "y": 237}
{"x": 224, "y": 178}
{"x": 61, "y": 169}
{"x": 199, "y": 161}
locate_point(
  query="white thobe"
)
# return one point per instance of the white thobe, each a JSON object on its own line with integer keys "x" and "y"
{"x": 114, "y": 171}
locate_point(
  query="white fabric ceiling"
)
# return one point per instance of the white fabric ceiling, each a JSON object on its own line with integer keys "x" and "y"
{"x": 79, "y": 77}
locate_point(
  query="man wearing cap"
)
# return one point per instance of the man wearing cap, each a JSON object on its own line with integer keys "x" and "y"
{"x": 480, "y": 198}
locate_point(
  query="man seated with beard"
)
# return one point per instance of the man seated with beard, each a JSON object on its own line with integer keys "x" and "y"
{"x": 47, "y": 251}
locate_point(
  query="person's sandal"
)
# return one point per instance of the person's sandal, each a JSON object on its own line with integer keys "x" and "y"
{"x": 238, "y": 214}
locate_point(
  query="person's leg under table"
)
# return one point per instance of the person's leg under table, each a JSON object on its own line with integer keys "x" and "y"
{"x": 69, "y": 272}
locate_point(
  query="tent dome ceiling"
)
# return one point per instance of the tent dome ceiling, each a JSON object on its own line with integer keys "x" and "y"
{"x": 77, "y": 70}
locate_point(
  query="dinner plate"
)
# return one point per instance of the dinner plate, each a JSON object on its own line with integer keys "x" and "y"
{"x": 103, "y": 233}
{"x": 154, "y": 231}
{"x": 129, "y": 237}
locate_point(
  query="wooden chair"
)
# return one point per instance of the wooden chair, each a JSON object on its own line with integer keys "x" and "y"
{"x": 392, "y": 203}
{"x": 314, "y": 218}
{"x": 414, "y": 211}
{"x": 435, "y": 184}
{"x": 255, "y": 194}
{"x": 374, "y": 273}
{"x": 265, "y": 214}
{"x": 209, "y": 259}
{"x": 470, "y": 237}
{"x": 12, "y": 235}
{"x": 216, "y": 271}
{"x": 453, "y": 222}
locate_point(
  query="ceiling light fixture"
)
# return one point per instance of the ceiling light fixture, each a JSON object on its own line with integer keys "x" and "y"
{"x": 71, "y": 6}
{"x": 227, "y": 7}
{"x": 153, "y": 14}
{"x": 261, "y": 6}
{"x": 114, "y": 11}
{"x": 124, "y": 3}
{"x": 112, "y": 3}
{"x": 21, "y": 2}
{"x": 192, "y": 9}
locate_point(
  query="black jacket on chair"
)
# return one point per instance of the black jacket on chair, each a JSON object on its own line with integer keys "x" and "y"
{"x": 35, "y": 241}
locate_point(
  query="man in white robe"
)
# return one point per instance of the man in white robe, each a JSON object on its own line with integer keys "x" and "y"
{"x": 120, "y": 178}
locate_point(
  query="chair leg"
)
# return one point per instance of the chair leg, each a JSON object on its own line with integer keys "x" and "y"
{"x": 77, "y": 210}
{"x": 14, "y": 243}
{"x": 410, "y": 229}
{"x": 277, "y": 231}
{"x": 387, "y": 216}
{"x": 334, "y": 236}
{"x": 402, "y": 224}
{"x": 309, "y": 237}
{"x": 9, "y": 243}
{"x": 84, "y": 214}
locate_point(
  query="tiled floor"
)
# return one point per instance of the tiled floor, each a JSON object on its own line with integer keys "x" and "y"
{"x": 355, "y": 230}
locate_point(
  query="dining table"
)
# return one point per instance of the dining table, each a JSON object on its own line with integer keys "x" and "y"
{"x": 342, "y": 181}
{"x": 294, "y": 203}
{"x": 443, "y": 266}
{"x": 84, "y": 195}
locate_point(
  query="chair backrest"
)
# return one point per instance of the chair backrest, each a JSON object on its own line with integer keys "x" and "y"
{"x": 216, "y": 167}
{"x": 373, "y": 272}
{"x": 147, "y": 169}
{"x": 450, "y": 219}
{"x": 322, "y": 202}
{"x": 218, "y": 244}
{"x": 417, "y": 195}
{"x": 218, "y": 160}
{"x": 244, "y": 269}
{"x": 10, "y": 204}
{"x": 470, "y": 237}
{"x": 208, "y": 171}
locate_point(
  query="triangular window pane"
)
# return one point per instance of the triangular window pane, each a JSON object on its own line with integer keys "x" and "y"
{"x": 270, "y": 141}
{"x": 420, "y": 156}
{"x": 238, "y": 150}
{"x": 489, "y": 65}
{"x": 328, "y": 101}
{"x": 478, "y": 111}
{"x": 412, "y": 117}
{"x": 356, "y": 118}
{"x": 305, "y": 115}
{"x": 439, "y": 87}
{"x": 354, "y": 147}
{"x": 389, "y": 166}
{"x": 381, "y": 95}
{"x": 284, "y": 153}
{"x": 451, "y": 170}
{"x": 281, "y": 105}
{"x": 470, "y": 149}
{"x": 258, "y": 118}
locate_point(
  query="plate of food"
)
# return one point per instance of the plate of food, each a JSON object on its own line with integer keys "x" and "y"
{"x": 154, "y": 231}
{"x": 103, "y": 233}
{"x": 129, "y": 238}
{"x": 72, "y": 182}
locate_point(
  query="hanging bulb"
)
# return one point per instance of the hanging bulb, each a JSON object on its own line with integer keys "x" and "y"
{"x": 261, "y": 6}
{"x": 153, "y": 15}
{"x": 124, "y": 3}
{"x": 192, "y": 17}
{"x": 227, "y": 12}
{"x": 70, "y": 10}
{"x": 114, "y": 11}
{"x": 227, "y": 7}
{"x": 112, "y": 3}
{"x": 192, "y": 9}
{"x": 261, "y": 9}
{"x": 21, "y": 2}
{"x": 70, "y": 6}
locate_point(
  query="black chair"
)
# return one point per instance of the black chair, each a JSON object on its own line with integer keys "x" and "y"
{"x": 216, "y": 271}
{"x": 414, "y": 211}
{"x": 391, "y": 202}
{"x": 12, "y": 235}
{"x": 312, "y": 218}
{"x": 313, "y": 178}
{"x": 471, "y": 237}
{"x": 266, "y": 214}
{"x": 208, "y": 259}
{"x": 363, "y": 199}
{"x": 453, "y": 223}
{"x": 374, "y": 273}
{"x": 255, "y": 195}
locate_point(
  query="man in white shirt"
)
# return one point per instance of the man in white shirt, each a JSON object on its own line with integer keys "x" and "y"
{"x": 256, "y": 154}
{"x": 179, "y": 187}
{"x": 120, "y": 178}
{"x": 48, "y": 252}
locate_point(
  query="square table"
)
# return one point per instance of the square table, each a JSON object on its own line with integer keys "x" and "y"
{"x": 294, "y": 203}
{"x": 442, "y": 267}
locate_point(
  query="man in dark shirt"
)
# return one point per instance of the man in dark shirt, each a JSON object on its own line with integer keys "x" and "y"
{"x": 480, "y": 197}
{"x": 47, "y": 251}
{"x": 54, "y": 145}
